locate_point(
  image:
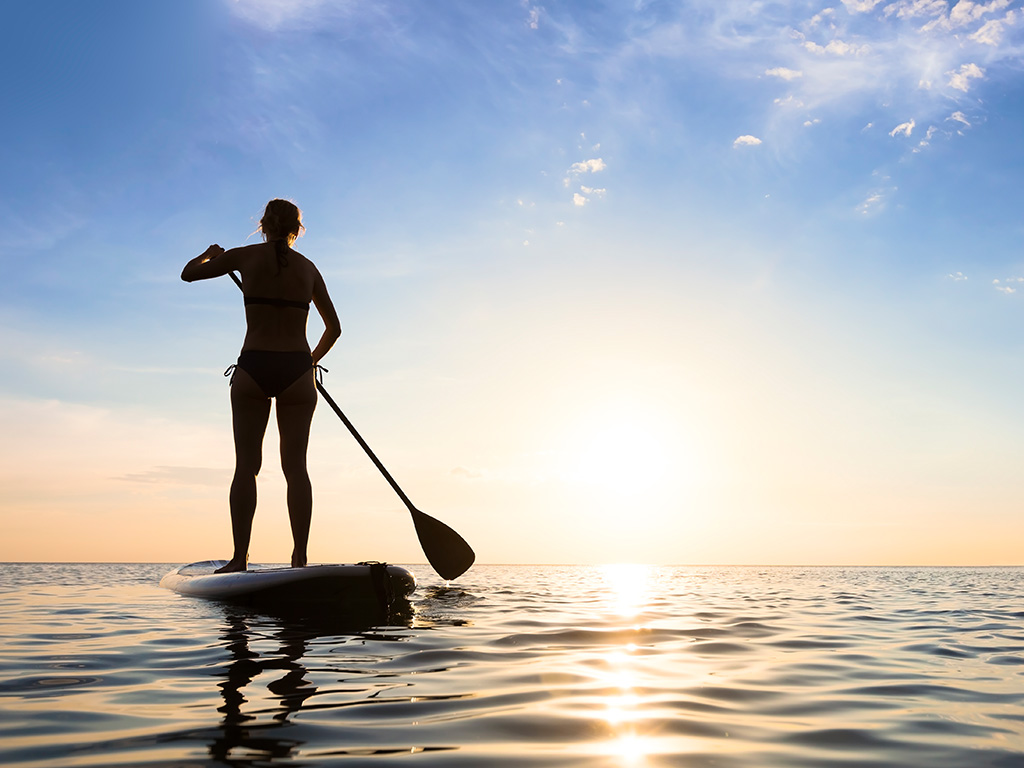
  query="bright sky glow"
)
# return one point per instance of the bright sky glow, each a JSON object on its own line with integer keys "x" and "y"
{"x": 706, "y": 281}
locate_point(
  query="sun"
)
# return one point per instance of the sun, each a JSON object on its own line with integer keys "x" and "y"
{"x": 623, "y": 453}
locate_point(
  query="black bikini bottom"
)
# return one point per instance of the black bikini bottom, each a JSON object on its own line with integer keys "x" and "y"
{"x": 274, "y": 372}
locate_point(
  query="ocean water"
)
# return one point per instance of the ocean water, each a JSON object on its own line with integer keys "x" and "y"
{"x": 523, "y": 666}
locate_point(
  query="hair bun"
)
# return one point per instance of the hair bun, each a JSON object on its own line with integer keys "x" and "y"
{"x": 282, "y": 219}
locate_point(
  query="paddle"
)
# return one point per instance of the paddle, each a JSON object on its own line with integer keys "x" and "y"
{"x": 446, "y": 551}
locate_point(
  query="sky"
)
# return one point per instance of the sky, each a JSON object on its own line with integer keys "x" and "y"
{"x": 713, "y": 281}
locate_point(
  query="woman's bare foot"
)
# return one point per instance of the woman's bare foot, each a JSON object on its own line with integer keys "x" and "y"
{"x": 298, "y": 561}
{"x": 234, "y": 566}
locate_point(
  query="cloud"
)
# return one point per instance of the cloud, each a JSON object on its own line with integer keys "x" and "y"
{"x": 592, "y": 191}
{"x": 910, "y": 9}
{"x": 1003, "y": 285}
{"x": 746, "y": 141}
{"x": 860, "y": 6}
{"x": 874, "y": 203}
{"x": 784, "y": 73}
{"x": 578, "y": 200}
{"x": 97, "y": 449}
{"x": 279, "y": 14}
{"x": 957, "y": 277}
{"x": 966, "y": 12}
{"x": 991, "y": 32}
{"x": 592, "y": 166}
{"x": 837, "y": 48}
{"x": 904, "y": 128}
{"x": 533, "y": 18}
{"x": 959, "y": 117}
{"x": 874, "y": 52}
{"x": 960, "y": 79}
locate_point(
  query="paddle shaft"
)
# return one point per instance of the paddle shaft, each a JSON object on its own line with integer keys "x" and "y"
{"x": 352, "y": 429}
{"x": 370, "y": 453}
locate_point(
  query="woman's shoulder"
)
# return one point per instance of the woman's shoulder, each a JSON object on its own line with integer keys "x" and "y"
{"x": 304, "y": 259}
{"x": 251, "y": 249}
{"x": 256, "y": 247}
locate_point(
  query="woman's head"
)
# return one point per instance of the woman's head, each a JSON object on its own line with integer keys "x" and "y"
{"x": 282, "y": 220}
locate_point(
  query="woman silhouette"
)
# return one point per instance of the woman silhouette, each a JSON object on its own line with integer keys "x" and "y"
{"x": 278, "y": 284}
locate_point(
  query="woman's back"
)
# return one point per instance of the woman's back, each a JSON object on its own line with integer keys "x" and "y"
{"x": 278, "y": 285}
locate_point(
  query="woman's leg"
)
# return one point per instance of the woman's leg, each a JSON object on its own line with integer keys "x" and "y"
{"x": 250, "y": 411}
{"x": 295, "y": 408}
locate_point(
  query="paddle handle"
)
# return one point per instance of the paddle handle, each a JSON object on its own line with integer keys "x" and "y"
{"x": 369, "y": 452}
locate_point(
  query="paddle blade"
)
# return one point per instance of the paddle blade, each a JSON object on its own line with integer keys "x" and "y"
{"x": 446, "y": 551}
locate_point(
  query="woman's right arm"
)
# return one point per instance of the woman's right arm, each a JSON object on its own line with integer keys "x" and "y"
{"x": 210, "y": 263}
{"x": 332, "y": 325}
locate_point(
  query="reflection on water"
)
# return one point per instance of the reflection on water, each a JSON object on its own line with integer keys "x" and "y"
{"x": 257, "y": 729}
{"x": 291, "y": 689}
{"x": 614, "y": 667}
{"x": 628, "y": 587}
{"x": 625, "y": 709}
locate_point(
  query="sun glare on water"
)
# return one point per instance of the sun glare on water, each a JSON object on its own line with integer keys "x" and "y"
{"x": 628, "y": 587}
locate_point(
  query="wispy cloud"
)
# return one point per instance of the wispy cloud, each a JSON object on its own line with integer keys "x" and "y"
{"x": 836, "y": 48}
{"x": 960, "y": 78}
{"x": 784, "y": 73}
{"x": 991, "y": 32}
{"x": 903, "y": 128}
{"x": 860, "y": 6}
{"x": 532, "y": 16}
{"x": 957, "y": 277}
{"x": 277, "y": 14}
{"x": 877, "y": 200}
{"x": 910, "y": 55}
{"x": 207, "y": 476}
{"x": 1007, "y": 285}
{"x": 960, "y": 117}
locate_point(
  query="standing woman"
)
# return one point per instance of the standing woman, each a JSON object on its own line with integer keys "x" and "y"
{"x": 278, "y": 284}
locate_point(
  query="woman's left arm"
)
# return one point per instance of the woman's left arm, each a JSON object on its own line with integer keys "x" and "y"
{"x": 213, "y": 262}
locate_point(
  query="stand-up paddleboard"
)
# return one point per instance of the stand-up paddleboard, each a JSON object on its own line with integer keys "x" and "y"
{"x": 350, "y": 586}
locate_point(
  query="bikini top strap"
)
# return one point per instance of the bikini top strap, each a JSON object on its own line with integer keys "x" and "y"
{"x": 303, "y": 305}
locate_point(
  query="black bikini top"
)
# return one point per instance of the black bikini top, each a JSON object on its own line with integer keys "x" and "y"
{"x": 280, "y": 250}
{"x": 303, "y": 305}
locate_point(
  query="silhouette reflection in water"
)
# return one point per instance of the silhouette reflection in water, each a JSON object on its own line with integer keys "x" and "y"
{"x": 258, "y": 724}
{"x": 239, "y": 732}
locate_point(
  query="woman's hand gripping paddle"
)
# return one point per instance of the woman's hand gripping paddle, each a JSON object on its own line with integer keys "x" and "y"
{"x": 446, "y": 551}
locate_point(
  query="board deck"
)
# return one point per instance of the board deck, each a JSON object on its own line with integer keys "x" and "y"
{"x": 351, "y": 584}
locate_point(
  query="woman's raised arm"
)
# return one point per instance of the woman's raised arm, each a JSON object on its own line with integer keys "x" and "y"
{"x": 210, "y": 263}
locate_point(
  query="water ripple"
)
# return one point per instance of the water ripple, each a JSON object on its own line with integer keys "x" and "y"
{"x": 519, "y": 666}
